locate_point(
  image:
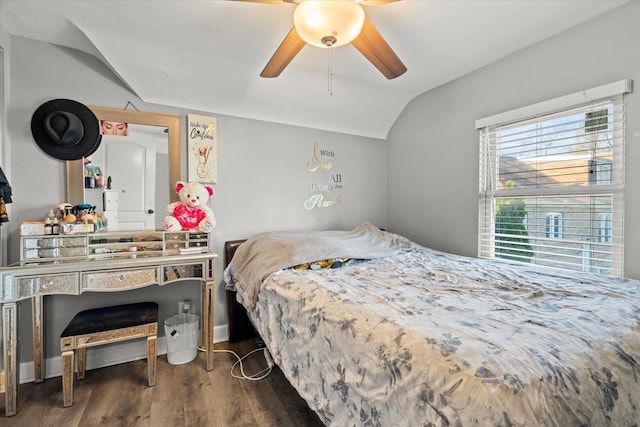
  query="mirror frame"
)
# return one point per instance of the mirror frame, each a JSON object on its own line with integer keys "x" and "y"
{"x": 171, "y": 122}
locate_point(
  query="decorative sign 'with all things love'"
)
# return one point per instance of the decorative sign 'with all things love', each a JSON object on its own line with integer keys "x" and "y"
{"x": 327, "y": 185}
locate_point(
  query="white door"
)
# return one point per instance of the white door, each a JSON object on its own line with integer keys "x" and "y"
{"x": 130, "y": 161}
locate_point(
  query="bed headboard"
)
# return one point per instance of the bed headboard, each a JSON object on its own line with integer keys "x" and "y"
{"x": 239, "y": 325}
{"x": 230, "y": 248}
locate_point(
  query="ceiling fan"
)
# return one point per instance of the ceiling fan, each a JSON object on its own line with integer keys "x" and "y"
{"x": 346, "y": 23}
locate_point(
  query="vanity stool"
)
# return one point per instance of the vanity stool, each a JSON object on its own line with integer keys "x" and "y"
{"x": 106, "y": 325}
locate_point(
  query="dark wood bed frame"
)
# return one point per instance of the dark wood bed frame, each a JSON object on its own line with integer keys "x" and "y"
{"x": 240, "y": 327}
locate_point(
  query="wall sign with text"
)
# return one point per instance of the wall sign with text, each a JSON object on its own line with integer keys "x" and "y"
{"x": 326, "y": 186}
{"x": 202, "y": 146}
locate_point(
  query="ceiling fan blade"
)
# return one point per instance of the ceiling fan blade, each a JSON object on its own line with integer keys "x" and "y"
{"x": 287, "y": 50}
{"x": 371, "y": 44}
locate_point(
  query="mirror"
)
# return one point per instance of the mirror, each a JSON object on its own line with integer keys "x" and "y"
{"x": 76, "y": 192}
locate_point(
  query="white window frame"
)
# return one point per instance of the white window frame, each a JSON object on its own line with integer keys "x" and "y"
{"x": 488, "y": 169}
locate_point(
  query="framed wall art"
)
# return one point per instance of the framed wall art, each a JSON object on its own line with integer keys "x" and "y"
{"x": 202, "y": 146}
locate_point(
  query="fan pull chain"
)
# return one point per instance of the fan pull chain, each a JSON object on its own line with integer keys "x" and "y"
{"x": 330, "y": 72}
{"x": 329, "y": 41}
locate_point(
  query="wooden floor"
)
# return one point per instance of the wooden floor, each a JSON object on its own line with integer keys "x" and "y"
{"x": 184, "y": 395}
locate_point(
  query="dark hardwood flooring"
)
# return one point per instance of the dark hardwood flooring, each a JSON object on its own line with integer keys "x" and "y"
{"x": 184, "y": 395}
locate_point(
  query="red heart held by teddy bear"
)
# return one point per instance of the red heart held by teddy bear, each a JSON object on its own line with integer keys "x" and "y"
{"x": 188, "y": 217}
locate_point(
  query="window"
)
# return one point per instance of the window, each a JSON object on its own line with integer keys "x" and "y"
{"x": 605, "y": 228}
{"x": 600, "y": 171}
{"x": 552, "y": 182}
{"x": 554, "y": 225}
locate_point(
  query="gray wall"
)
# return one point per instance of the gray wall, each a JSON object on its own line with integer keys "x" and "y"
{"x": 262, "y": 176}
{"x": 432, "y": 152}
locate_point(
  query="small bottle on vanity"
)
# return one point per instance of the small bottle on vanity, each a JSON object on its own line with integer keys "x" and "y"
{"x": 55, "y": 227}
{"x": 48, "y": 227}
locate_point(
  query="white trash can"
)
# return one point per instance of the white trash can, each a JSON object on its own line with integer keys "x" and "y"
{"x": 181, "y": 333}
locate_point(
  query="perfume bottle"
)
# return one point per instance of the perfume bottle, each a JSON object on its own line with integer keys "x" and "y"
{"x": 48, "y": 227}
{"x": 55, "y": 227}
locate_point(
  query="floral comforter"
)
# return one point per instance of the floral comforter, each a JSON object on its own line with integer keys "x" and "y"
{"x": 424, "y": 338}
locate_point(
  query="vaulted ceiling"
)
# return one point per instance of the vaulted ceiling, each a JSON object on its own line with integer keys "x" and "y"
{"x": 206, "y": 55}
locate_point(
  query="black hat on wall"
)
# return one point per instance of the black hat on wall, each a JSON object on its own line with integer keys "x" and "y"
{"x": 66, "y": 129}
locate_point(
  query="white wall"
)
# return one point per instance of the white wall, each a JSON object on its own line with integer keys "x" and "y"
{"x": 433, "y": 146}
{"x": 262, "y": 178}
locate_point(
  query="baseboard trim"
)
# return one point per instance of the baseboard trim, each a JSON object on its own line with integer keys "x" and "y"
{"x": 109, "y": 355}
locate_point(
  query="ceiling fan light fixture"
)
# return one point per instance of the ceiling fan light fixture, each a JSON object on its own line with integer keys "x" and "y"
{"x": 336, "y": 20}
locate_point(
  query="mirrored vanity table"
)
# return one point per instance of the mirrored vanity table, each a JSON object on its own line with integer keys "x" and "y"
{"x": 98, "y": 262}
{"x": 71, "y": 264}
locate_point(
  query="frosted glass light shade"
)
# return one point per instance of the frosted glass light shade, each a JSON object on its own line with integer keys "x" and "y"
{"x": 341, "y": 19}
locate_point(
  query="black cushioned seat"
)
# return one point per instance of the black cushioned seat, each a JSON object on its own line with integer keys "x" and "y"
{"x": 109, "y": 318}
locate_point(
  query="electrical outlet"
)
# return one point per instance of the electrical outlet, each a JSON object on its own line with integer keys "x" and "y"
{"x": 184, "y": 306}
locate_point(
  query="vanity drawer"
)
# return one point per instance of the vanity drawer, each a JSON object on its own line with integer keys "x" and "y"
{"x": 29, "y": 254}
{"x": 175, "y": 237}
{"x": 175, "y": 244}
{"x": 50, "y": 284}
{"x": 183, "y": 271}
{"x": 118, "y": 279}
{"x": 198, "y": 243}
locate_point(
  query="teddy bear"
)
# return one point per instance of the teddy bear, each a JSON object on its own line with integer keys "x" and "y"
{"x": 191, "y": 212}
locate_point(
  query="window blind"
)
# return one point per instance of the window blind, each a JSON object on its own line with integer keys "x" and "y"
{"x": 551, "y": 188}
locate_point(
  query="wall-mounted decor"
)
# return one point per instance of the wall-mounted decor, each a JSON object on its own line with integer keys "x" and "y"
{"x": 108, "y": 127}
{"x": 327, "y": 181}
{"x": 202, "y": 143}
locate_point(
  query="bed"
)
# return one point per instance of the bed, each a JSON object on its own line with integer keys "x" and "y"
{"x": 403, "y": 335}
